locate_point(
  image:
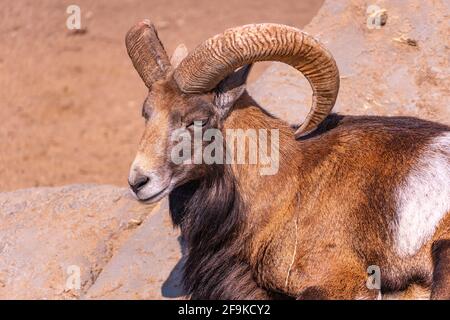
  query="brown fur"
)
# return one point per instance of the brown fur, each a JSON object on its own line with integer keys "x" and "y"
{"x": 312, "y": 229}
{"x": 338, "y": 188}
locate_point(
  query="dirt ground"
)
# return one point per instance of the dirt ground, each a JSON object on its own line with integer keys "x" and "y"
{"x": 70, "y": 103}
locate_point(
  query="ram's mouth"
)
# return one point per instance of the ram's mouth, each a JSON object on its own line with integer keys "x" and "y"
{"x": 155, "y": 197}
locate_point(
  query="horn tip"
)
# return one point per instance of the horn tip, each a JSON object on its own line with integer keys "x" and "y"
{"x": 141, "y": 27}
{"x": 145, "y": 22}
{"x": 303, "y": 131}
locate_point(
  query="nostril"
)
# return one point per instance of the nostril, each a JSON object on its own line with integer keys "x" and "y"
{"x": 139, "y": 183}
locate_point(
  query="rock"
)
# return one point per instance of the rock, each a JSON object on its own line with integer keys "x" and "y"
{"x": 400, "y": 68}
{"x": 47, "y": 234}
{"x": 147, "y": 266}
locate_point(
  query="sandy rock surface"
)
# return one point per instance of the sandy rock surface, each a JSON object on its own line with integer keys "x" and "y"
{"x": 400, "y": 68}
{"x": 147, "y": 266}
{"x": 118, "y": 246}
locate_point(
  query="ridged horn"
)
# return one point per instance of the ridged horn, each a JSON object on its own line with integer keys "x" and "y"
{"x": 217, "y": 57}
{"x": 147, "y": 52}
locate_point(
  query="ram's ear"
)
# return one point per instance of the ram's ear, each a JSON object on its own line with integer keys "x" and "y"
{"x": 231, "y": 88}
{"x": 178, "y": 55}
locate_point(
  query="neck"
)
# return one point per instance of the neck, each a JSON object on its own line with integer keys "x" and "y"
{"x": 256, "y": 186}
{"x": 222, "y": 210}
{"x": 213, "y": 216}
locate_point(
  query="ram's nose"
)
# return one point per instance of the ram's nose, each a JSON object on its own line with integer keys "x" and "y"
{"x": 137, "y": 182}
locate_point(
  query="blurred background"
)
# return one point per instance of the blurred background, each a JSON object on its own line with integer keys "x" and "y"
{"x": 70, "y": 102}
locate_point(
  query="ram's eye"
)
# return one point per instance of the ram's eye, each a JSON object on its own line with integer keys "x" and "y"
{"x": 146, "y": 111}
{"x": 199, "y": 122}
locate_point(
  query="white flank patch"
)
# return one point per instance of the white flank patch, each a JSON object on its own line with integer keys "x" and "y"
{"x": 424, "y": 198}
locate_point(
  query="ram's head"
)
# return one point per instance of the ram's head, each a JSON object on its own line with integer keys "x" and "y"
{"x": 201, "y": 88}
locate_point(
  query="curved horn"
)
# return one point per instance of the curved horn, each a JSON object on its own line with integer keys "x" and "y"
{"x": 217, "y": 57}
{"x": 147, "y": 52}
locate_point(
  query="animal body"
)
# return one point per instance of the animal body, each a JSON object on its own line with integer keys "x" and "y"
{"x": 350, "y": 192}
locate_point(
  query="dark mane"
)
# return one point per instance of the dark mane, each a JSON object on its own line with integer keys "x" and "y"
{"x": 210, "y": 214}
